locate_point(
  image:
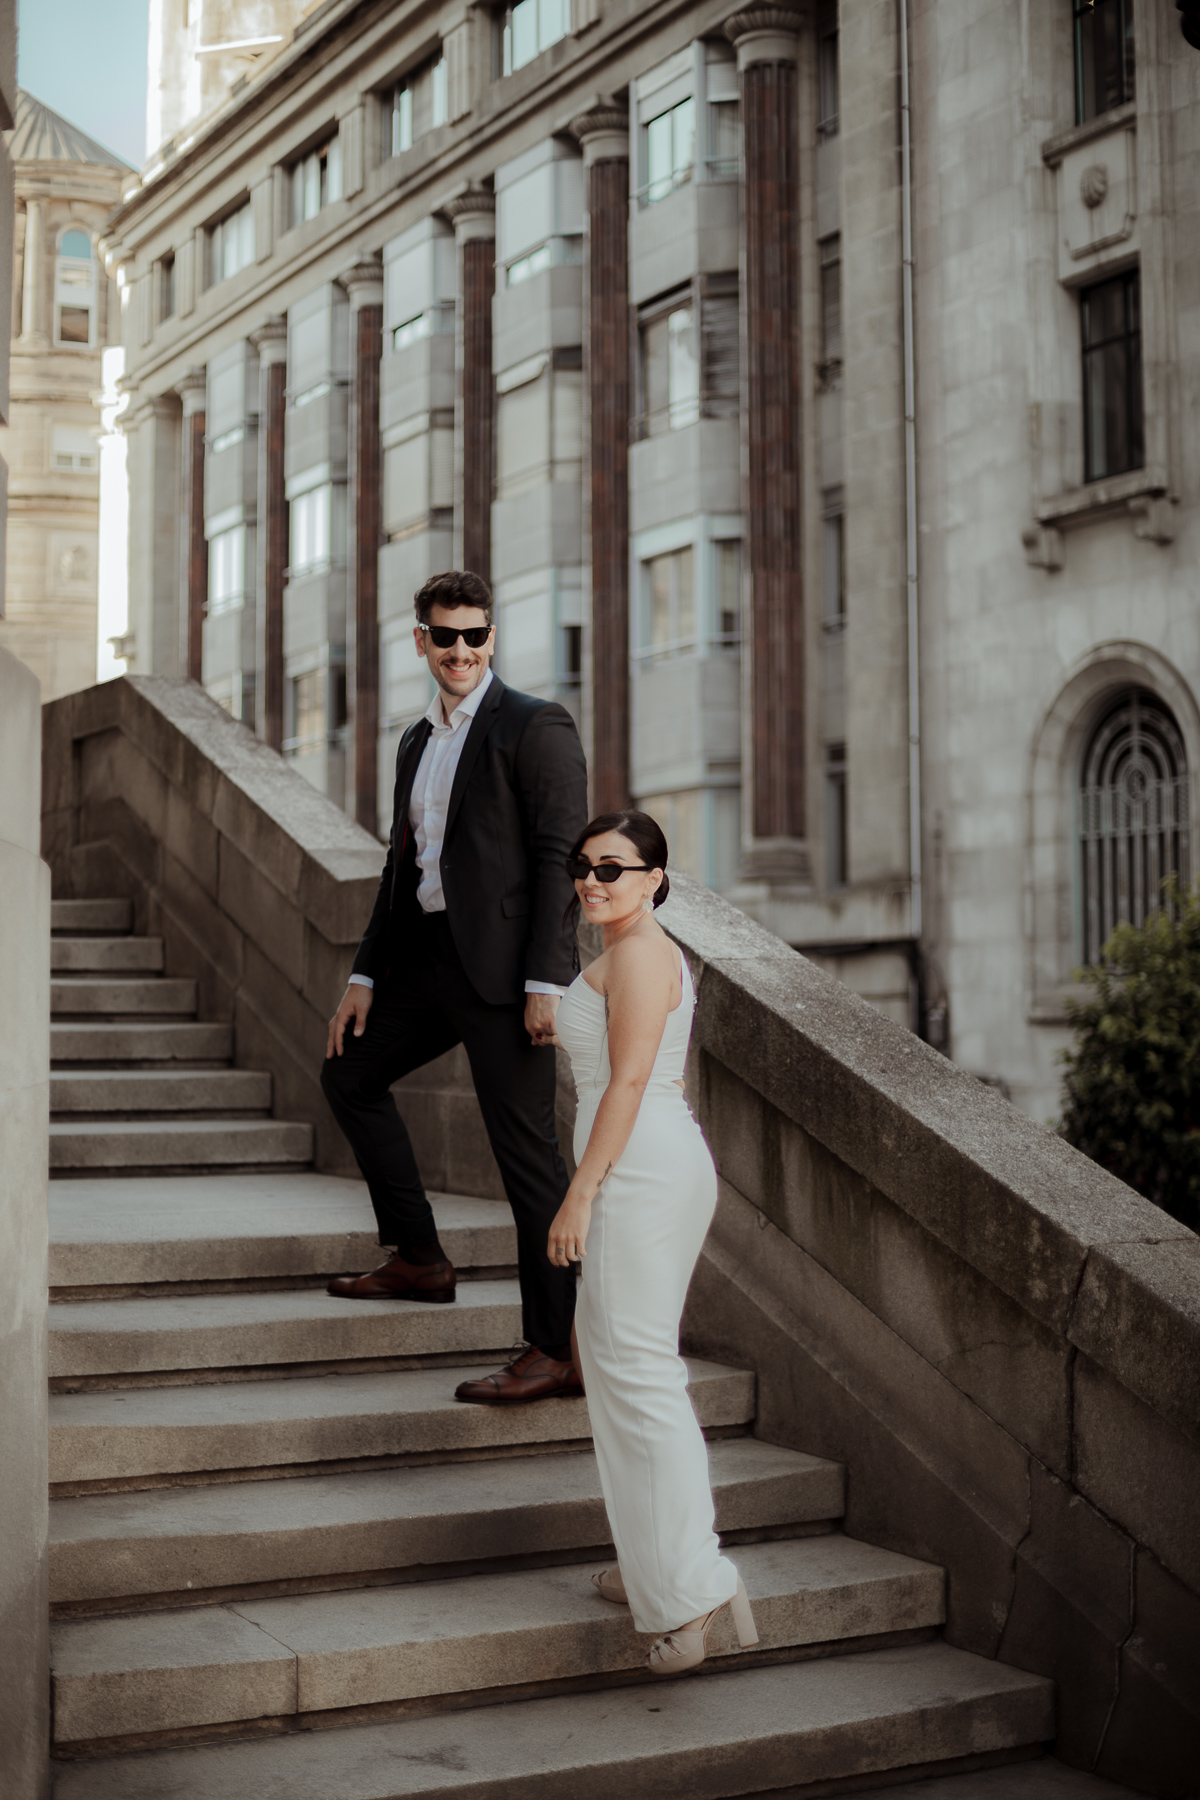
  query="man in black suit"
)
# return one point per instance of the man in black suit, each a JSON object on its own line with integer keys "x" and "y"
{"x": 468, "y": 943}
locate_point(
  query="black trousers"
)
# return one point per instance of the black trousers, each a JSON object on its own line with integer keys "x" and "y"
{"x": 424, "y": 1007}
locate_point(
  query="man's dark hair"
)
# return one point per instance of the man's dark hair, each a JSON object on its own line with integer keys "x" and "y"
{"x": 453, "y": 587}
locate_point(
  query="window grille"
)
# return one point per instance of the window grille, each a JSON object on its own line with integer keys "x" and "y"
{"x": 1110, "y": 321}
{"x": 1104, "y": 63}
{"x": 1133, "y": 813}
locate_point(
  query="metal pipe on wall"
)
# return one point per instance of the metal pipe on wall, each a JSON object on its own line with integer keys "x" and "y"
{"x": 912, "y": 592}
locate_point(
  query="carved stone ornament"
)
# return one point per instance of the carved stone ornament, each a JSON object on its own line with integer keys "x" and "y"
{"x": 756, "y": 20}
{"x": 473, "y": 201}
{"x": 1093, "y": 184}
{"x": 603, "y": 132}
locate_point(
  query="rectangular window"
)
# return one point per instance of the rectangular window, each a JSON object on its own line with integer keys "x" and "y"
{"x": 306, "y": 710}
{"x": 525, "y": 266}
{"x": 728, "y": 554}
{"x": 1104, "y": 65}
{"x": 572, "y": 655}
{"x": 437, "y": 92}
{"x": 166, "y": 286}
{"x": 725, "y": 140}
{"x": 231, "y": 244}
{"x": 668, "y": 151}
{"x": 670, "y": 372}
{"x": 73, "y": 447}
{"x": 74, "y": 289}
{"x": 833, "y": 559}
{"x": 227, "y": 570}
{"x": 827, "y": 69}
{"x": 669, "y": 601}
{"x": 316, "y": 180}
{"x": 310, "y": 522}
{"x": 398, "y": 117}
{"x": 530, "y": 27}
{"x": 831, "y": 299}
{"x": 1112, "y": 377}
{"x": 836, "y": 870}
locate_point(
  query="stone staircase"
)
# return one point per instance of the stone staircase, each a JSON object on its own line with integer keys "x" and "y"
{"x": 286, "y": 1565}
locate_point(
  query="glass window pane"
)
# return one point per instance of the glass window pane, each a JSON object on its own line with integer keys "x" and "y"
{"x": 335, "y": 169}
{"x": 74, "y": 324}
{"x": 524, "y": 33}
{"x": 658, "y": 595}
{"x": 683, "y": 138}
{"x": 685, "y": 595}
{"x": 75, "y": 243}
{"x": 438, "y": 91}
{"x": 1104, "y": 56}
{"x": 402, "y": 132}
{"x": 683, "y": 370}
{"x": 658, "y": 157}
{"x": 723, "y": 125}
{"x": 655, "y": 377}
{"x": 729, "y": 588}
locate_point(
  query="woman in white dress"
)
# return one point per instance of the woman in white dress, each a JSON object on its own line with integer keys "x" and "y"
{"x": 635, "y": 1216}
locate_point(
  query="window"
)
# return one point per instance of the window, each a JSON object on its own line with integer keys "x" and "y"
{"x": 1103, "y": 56}
{"x": 399, "y": 120}
{"x": 529, "y": 28}
{"x": 1133, "y": 810}
{"x": 572, "y": 655}
{"x": 73, "y": 447}
{"x": 669, "y": 601}
{"x": 316, "y": 180}
{"x": 166, "y": 286}
{"x": 831, "y": 302}
{"x": 833, "y": 558}
{"x": 306, "y": 710}
{"x": 1112, "y": 377}
{"x": 231, "y": 244}
{"x": 827, "y": 69}
{"x": 670, "y": 372}
{"x": 836, "y": 861}
{"x": 728, "y": 555}
{"x": 437, "y": 92}
{"x": 414, "y": 106}
{"x": 724, "y": 142}
{"x": 75, "y": 289}
{"x": 525, "y": 266}
{"x": 310, "y": 520}
{"x": 227, "y": 570}
{"x": 668, "y": 150}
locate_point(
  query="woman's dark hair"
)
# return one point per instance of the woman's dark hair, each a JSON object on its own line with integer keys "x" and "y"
{"x": 643, "y": 832}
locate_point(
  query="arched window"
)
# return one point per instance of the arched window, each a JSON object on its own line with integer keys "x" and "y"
{"x": 1133, "y": 814}
{"x": 75, "y": 289}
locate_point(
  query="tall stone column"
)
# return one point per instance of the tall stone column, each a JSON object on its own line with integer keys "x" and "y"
{"x": 33, "y": 278}
{"x": 192, "y": 391}
{"x": 604, "y": 134}
{"x": 765, "y": 38}
{"x": 270, "y": 340}
{"x": 474, "y": 218}
{"x": 364, "y": 284}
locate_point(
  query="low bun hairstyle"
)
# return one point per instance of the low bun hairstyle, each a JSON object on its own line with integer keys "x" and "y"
{"x": 643, "y": 832}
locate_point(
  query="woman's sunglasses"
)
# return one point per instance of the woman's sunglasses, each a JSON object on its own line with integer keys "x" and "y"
{"x": 446, "y": 636}
{"x": 579, "y": 868}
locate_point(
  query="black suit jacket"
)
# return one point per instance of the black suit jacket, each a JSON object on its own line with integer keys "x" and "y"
{"x": 518, "y": 803}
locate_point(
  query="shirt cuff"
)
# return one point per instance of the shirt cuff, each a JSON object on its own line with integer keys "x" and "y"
{"x": 544, "y": 987}
{"x": 360, "y": 981}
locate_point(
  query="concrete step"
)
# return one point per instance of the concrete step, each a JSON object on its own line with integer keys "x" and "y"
{"x": 160, "y": 1090}
{"x": 750, "y": 1731}
{"x": 108, "y": 955}
{"x": 314, "y": 1653}
{"x": 129, "y": 1547}
{"x": 170, "y": 1144}
{"x": 91, "y": 915}
{"x": 250, "y": 1330}
{"x": 329, "y": 1418}
{"x": 163, "y": 996}
{"x": 227, "y": 1228}
{"x": 111, "y": 1042}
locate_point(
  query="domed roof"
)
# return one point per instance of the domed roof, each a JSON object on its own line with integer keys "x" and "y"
{"x": 40, "y": 135}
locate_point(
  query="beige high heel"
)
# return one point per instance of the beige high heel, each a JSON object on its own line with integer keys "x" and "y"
{"x": 686, "y": 1648}
{"x": 609, "y": 1586}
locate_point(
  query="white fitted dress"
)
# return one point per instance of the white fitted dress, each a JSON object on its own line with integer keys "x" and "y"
{"x": 648, "y": 1223}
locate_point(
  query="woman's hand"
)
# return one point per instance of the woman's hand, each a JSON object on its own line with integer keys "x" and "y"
{"x": 568, "y": 1233}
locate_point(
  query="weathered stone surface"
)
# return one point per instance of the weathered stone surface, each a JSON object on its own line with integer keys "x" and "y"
{"x": 259, "y": 1424}
{"x": 241, "y": 1227}
{"x": 1138, "y": 1314}
{"x": 217, "y": 1331}
{"x": 1043, "y": 1779}
{"x": 686, "y": 1740}
{"x": 1158, "y": 1686}
{"x": 90, "y": 915}
{"x": 119, "y": 1545}
{"x": 160, "y": 1090}
{"x": 113, "y": 1041}
{"x": 154, "y": 1143}
{"x": 81, "y": 995}
{"x": 108, "y": 954}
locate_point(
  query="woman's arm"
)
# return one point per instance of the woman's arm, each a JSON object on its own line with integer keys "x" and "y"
{"x": 638, "y": 990}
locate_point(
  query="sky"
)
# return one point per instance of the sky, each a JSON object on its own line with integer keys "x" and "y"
{"x": 86, "y": 59}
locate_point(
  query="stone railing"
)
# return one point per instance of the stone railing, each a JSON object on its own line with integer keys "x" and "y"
{"x": 999, "y": 1339}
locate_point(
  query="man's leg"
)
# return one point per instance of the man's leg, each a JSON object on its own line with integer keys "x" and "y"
{"x": 401, "y": 1035}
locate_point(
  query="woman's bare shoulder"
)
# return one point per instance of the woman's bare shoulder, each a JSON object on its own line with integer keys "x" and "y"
{"x": 641, "y": 956}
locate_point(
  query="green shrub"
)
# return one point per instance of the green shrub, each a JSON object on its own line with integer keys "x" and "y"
{"x": 1132, "y": 1086}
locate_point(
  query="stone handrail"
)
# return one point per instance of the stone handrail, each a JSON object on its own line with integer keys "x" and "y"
{"x": 999, "y": 1339}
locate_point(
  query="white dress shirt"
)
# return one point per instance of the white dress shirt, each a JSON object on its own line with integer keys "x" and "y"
{"x": 429, "y": 804}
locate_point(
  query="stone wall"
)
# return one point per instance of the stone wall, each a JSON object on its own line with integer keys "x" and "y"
{"x": 999, "y": 1339}
{"x": 259, "y": 886}
{"x": 24, "y": 1127}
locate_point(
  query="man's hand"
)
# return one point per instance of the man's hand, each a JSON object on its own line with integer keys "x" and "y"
{"x": 356, "y": 1004}
{"x": 539, "y": 1017}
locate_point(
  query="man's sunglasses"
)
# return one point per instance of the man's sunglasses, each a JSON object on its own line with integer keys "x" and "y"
{"x": 579, "y": 868}
{"x": 446, "y": 636}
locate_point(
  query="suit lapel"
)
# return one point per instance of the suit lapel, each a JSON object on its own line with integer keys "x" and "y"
{"x": 481, "y": 724}
{"x": 407, "y": 763}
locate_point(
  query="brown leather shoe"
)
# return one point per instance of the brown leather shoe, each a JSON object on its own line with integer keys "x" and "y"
{"x": 533, "y": 1376}
{"x": 397, "y": 1280}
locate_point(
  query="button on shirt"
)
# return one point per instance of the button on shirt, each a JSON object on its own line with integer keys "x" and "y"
{"x": 429, "y": 804}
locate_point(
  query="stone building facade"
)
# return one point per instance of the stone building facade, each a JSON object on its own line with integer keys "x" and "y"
{"x": 63, "y": 315}
{"x": 809, "y": 380}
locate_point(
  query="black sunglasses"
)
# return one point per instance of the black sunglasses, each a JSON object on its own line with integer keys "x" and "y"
{"x": 446, "y": 636}
{"x": 579, "y": 868}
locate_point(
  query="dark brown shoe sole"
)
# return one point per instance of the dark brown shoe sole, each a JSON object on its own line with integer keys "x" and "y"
{"x": 562, "y": 1393}
{"x": 438, "y": 1297}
